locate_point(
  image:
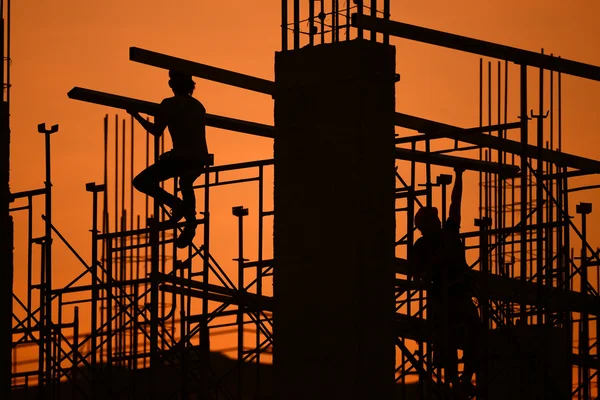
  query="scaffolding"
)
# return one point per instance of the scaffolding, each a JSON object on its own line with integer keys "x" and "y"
{"x": 153, "y": 310}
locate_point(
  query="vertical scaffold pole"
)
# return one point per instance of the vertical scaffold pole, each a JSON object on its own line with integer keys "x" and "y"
{"x": 584, "y": 332}
{"x": 240, "y": 212}
{"x": 6, "y": 245}
{"x": 94, "y": 189}
{"x": 46, "y": 284}
{"x": 523, "y": 191}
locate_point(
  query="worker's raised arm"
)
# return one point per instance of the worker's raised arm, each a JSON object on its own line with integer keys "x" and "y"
{"x": 456, "y": 198}
{"x": 155, "y": 128}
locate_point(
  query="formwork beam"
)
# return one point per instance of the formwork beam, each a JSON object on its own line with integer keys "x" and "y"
{"x": 475, "y": 46}
{"x": 434, "y": 128}
{"x": 150, "y": 108}
{"x": 202, "y": 70}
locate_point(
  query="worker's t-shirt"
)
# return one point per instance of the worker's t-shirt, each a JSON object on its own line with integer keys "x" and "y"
{"x": 185, "y": 117}
{"x": 441, "y": 256}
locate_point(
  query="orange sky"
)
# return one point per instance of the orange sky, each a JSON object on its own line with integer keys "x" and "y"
{"x": 58, "y": 45}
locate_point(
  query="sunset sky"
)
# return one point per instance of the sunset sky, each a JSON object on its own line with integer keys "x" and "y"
{"x": 56, "y": 45}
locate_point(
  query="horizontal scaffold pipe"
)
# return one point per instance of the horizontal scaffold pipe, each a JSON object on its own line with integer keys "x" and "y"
{"x": 503, "y": 170}
{"x": 147, "y": 107}
{"x": 434, "y": 128}
{"x": 476, "y": 46}
{"x": 507, "y": 289}
{"x": 250, "y": 300}
{"x": 452, "y": 132}
{"x": 202, "y": 70}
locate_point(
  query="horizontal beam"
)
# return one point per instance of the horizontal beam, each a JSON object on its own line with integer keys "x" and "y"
{"x": 510, "y": 146}
{"x": 476, "y": 46}
{"x": 147, "y": 107}
{"x": 457, "y": 162}
{"x": 570, "y": 174}
{"x": 249, "y": 300}
{"x": 452, "y": 132}
{"x": 514, "y": 290}
{"x": 202, "y": 70}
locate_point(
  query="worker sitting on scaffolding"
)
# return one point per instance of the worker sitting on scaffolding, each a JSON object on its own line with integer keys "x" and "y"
{"x": 185, "y": 117}
{"x": 438, "y": 258}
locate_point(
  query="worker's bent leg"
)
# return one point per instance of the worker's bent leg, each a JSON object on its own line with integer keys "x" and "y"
{"x": 186, "y": 183}
{"x": 149, "y": 179}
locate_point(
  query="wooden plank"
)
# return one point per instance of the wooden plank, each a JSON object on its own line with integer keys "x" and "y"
{"x": 503, "y": 170}
{"x": 475, "y": 46}
{"x": 202, "y": 70}
{"x": 147, "y": 107}
{"x": 429, "y": 127}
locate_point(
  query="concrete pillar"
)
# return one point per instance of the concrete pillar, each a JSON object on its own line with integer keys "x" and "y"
{"x": 334, "y": 222}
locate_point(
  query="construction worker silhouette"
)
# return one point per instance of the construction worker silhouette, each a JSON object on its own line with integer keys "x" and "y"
{"x": 438, "y": 258}
{"x": 185, "y": 117}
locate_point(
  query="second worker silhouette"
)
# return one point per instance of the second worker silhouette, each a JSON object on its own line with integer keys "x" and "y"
{"x": 185, "y": 117}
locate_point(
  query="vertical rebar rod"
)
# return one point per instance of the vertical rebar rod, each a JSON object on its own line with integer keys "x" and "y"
{"x": 333, "y": 24}
{"x": 539, "y": 201}
{"x": 552, "y": 214}
{"x": 297, "y": 24}
{"x": 359, "y": 10}
{"x": 134, "y": 333}
{"x": 347, "y": 20}
{"x": 116, "y": 173}
{"x": 337, "y": 20}
{"x": 284, "y": 24}
{"x": 499, "y": 181}
{"x": 523, "y": 190}
{"x": 311, "y": 22}
{"x": 29, "y": 258}
{"x": 480, "y": 124}
{"x": 386, "y": 16}
{"x": 7, "y": 229}
{"x": 122, "y": 253}
{"x": 322, "y": 20}
{"x": 373, "y": 14}
{"x": 488, "y": 151}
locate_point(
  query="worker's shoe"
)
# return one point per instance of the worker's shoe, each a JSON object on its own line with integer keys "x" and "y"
{"x": 186, "y": 237}
{"x": 178, "y": 211}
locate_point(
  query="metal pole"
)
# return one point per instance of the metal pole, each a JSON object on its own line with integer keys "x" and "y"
{"x": 94, "y": 189}
{"x": 311, "y": 22}
{"x": 297, "y": 24}
{"x": 154, "y": 299}
{"x": 359, "y": 10}
{"x": 46, "y": 283}
{"x": 386, "y": 16}
{"x": 584, "y": 339}
{"x": 373, "y": 14}
{"x": 6, "y": 245}
{"x": 259, "y": 268}
{"x": 240, "y": 212}
{"x": 540, "y": 192}
{"x": 523, "y": 190}
{"x": 284, "y": 23}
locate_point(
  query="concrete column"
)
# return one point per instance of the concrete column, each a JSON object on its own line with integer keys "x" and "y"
{"x": 334, "y": 222}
